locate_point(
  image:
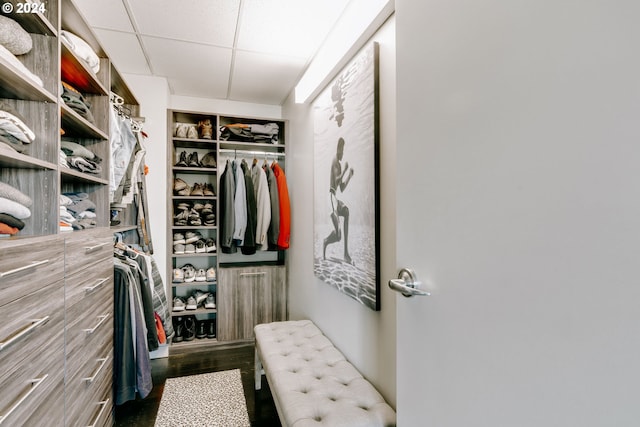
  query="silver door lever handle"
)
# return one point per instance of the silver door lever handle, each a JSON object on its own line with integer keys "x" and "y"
{"x": 407, "y": 284}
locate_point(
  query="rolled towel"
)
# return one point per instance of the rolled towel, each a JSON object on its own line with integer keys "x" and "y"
{"x": 14, "y": 208}
{"x": 12, "y": 193}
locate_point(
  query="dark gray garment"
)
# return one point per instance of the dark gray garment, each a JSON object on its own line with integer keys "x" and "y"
{"x": 249, "y": 241}
{"x": 227, "y": 192}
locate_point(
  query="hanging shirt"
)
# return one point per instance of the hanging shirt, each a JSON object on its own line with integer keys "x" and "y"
{"x": 263, "y": 205}
{"x": 239, "y": 205}
{"x": 274, "y": 199}
{"x": 249, "y": 243}
{"x": 226, "y": 199}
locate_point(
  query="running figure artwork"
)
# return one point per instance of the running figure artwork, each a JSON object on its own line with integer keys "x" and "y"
{"x": 346, "y": 224}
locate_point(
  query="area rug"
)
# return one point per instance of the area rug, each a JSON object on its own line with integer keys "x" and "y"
{"x": 214, "y": 399}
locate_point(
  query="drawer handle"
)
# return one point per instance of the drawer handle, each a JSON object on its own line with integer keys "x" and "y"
{"x": 16, "y": 336}
{"x": 23, "y": 268}
{"x": 104, "y": 405}
{"x": 35, "y": 383}
{"x": 89, "y": 289}
{"x": 102, "y": 318}
{"x": 89, "y": 249}
{"x": 257, "y": 273}
{"x": 92, "y": 378}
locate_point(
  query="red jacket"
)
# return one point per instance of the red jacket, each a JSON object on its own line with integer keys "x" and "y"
{"x": 285, "y": 207}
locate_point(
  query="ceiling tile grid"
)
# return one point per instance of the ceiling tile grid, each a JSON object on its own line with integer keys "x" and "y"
{"x": 241, "y": 50}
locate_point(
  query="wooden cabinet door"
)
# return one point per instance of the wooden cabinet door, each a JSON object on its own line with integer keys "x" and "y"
{"x": 248, "y": 296}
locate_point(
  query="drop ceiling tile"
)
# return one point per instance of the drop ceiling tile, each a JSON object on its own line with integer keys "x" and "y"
{"x": 264, "y": 79}
{"x": 110, "y": 14}
{"x": 124, "y": 50}
{"x": 203, "y": 21}
{"x": 192, "y": 69}
{"x": 287, "y": 27}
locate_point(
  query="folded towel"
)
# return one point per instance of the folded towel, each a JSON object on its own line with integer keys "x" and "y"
{"x": 7, "y": 229}
{"x": 13, "y": 37}
{"x": 12, "y": 221}
{"x": 12, "y": 193}
{"x": 14, "y": 123}
{"x": 75, "y": 149}
{"x": 14, "y": 208}
{"x": 82, "y": 49}
{"x": 15, "y": 62}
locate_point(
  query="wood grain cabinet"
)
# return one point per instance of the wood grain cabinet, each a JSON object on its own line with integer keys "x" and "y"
{"x": 32, "y": 332}
{"x": 250, "y": 295}
{"x": 89, "y": 328}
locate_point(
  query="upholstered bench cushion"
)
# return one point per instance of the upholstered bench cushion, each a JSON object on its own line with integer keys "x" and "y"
{"x": 311, "y": 381}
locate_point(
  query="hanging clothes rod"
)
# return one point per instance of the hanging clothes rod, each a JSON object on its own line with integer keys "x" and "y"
{"x": 244, "y": 153}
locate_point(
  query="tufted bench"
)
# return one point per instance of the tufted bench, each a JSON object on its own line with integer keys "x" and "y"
{"x": 312, "y": 383}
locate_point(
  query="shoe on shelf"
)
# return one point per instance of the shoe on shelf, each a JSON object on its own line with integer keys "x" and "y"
{"x": 211, "y": 329}
{"x": 192, "y": 236}
{"x": 201, "y": 331}
{"x": 208, "y": 190}
{"x": 189, "y": 328}
{"x": 179, "y": 184}
{"x": 210, "y": 302}
{"x": 211, "y": 245}
{"x": 178, "y": 249}
{"x": 178, "y": 238}
{"x": 183, "y": 206}
{"x": 200, "y": 247}
{"x": 209, "y": 160}
{"x": 211, "y": 274}
{"x": 199, "y": 296}
{"x": 182, "y": 161}
{"x": 201, "y": 275}
{"x": 197, "y": 190}
{"x": 190, "y": 249}
{"x": 178, "y": 304}
{"x": 178, "y": 327}
{"x": 207, "y": 209}
{"x": 193, "y": 161}
{"x": 178, "y": 275}
{"x": 181, "y": 130}
{"x": 181, "y": 218}
{"x": 210, "y": 220}
{"x": 198, "y": 206}
{"x": 194, "y": 218}
{"x": 192, "y": 132}
{"x": 189, "y": 273}
{"x": 205, "y": 129}
{"x": 191, "y": 303}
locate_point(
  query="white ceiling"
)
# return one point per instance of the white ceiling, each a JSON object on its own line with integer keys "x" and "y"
{"x": 242, "y": 50}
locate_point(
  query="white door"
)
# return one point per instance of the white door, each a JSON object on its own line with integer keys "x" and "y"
{"x": 518, "y": 199}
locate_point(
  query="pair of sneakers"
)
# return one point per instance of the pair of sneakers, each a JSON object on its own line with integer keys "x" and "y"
{"x": 188, "y": 161}
{"x": 193, "y": 301}
{"x": 186, "y": 130}
{"x": 188, "y": 273}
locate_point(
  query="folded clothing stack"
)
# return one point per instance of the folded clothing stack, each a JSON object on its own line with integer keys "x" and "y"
{"x": 263, "y": 133}
{"x": 14, "y": 207}
{"x": 79, "y": 157}
{"x": 14, "y": 40}
{"x": 77, "y": 212}
{"x": 14, "y": 133}
{"x": 82, "y": 50}
{"x": 74, "y": 100}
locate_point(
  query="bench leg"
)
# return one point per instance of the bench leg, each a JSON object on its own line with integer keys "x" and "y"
{"x": 258, "y": 371}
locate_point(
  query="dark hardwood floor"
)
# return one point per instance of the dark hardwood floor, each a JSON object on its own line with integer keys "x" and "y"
{"x": 199, "y": 360}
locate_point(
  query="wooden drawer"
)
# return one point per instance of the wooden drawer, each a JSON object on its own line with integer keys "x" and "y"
{"x": 90, "y": 282}
{"x": 89, "y": 326}
{"x": 86, "y": 247}
{"x": 32, "y": 358}
{"x": 89, "y": 390}
{"x": 27, "y": 265}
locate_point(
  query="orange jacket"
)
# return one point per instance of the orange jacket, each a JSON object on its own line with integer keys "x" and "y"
{"x": 285, "y": 207}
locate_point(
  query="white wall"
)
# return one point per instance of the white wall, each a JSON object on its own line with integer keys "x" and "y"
{"x": 153, "y": 95}
{"x": 524, "y": 120}
{"x": 367, "y": 338}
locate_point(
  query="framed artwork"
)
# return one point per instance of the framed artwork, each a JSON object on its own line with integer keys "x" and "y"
{"x": 346, "y": 181}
